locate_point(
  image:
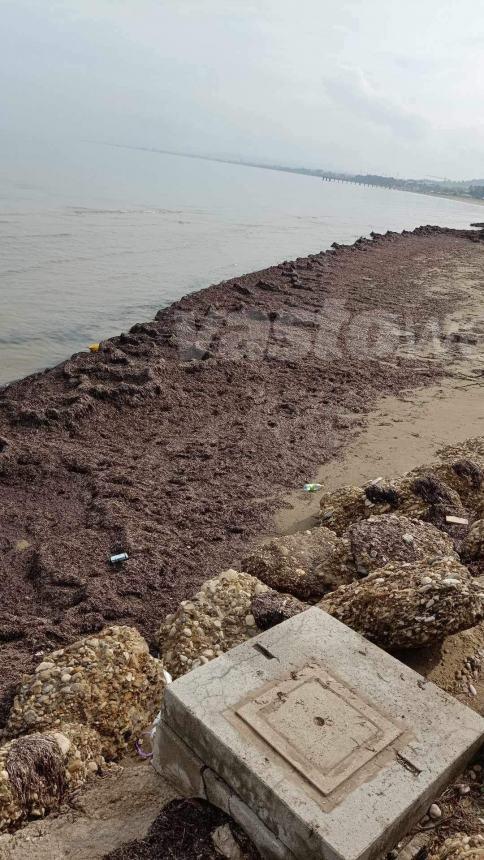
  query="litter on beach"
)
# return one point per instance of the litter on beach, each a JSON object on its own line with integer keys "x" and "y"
{"x": 94, "y": 347}
{"x": 461, "y": 521}
{"x": 312, "y": 488}
{"x": 118, "y": 557}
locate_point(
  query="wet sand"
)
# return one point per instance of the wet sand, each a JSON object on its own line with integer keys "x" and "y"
{"x": 178, "y": 441}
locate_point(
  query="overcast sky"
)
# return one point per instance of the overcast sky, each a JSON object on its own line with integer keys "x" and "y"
{"x": 362, "y": 86}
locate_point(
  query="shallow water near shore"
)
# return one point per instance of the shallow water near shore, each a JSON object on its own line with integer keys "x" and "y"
{"x": 96, "y": 238}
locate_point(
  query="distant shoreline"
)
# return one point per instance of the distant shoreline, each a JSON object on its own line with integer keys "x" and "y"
{"x": 462, "y": 198}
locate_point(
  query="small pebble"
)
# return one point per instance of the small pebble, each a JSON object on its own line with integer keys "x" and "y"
{"x": 472, "y": 690}
{"x": 435, "y": 812}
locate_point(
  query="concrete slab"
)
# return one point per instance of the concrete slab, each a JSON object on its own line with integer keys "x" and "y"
{"x": 333, "y": 744}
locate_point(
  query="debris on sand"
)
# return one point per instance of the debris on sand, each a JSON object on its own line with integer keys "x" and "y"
{"x": 184, "y": 831}
{"x": 305, "y": 565}
{"x": 218, "y": 617}
{"x": 108, "y": 682}
{"x": 408, "y": 605}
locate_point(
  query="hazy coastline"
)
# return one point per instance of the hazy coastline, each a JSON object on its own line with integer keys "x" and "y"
{"x": 95, "y": 238}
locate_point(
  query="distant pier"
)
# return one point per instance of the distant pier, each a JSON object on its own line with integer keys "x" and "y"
{"x": 369, "y": 182}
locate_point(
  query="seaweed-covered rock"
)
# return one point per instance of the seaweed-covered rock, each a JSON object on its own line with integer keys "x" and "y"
{"x": 407, "y": 605}
{"x": 441, "y": 501}
{"x": 422, "y": 493}
{"x": 439, "y": 516}
{"x": 466, "y": 477}
{"x": 108, "y": 682}
{"x": 37, "y": 770}
{"x": 391, "y": 537}
{"x": 272, "y": 607}
{"x": 347, "y": 505}
{"x": 460, "y": 847}
{"x": 218, "y": 617}
{"x": 305, "y": 565}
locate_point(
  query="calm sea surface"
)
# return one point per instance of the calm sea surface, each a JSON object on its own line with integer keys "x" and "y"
{"x": 94, "y": 239}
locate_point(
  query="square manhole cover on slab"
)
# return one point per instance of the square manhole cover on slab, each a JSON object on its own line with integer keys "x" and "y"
{"x": 318, "y": 725}
{"x": 336, "y": 746}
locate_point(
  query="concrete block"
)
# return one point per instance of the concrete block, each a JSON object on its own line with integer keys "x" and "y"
{"x": 217, "y": 791}
{"x": 334, "y": 745}
{"x": 175, "y": 761}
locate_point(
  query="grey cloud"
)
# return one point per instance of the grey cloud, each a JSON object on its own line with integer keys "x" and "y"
{"x": 350, "y": 89}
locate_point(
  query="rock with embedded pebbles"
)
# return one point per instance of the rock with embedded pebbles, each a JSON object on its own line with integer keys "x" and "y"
{"x": 461, "y": 846}
{"x": 37, "y": 770}
{"x": 339, "y": 508}
{"x": 347, "y": 505}
{"x": 108, "y": 682}
{"x": 391, "y": 537}
{"x": 407, "y": 605}
{"x": 218, "y": 617}
{"x": 414, "y": 494}
{"x": 472, "y": 548}
{"x": 305, "y": 565}
{"x": 272, "y": 607}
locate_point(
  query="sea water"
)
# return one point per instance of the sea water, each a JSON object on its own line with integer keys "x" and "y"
{"x": 94, "y": 238}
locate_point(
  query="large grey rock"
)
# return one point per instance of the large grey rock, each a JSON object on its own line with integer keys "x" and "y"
{"x": 215, "y": 619}
{"x": 305, "y": 565}
{"x": 391, "y": 537}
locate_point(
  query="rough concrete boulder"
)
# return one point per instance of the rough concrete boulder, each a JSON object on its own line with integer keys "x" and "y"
{"x": 108, "y": 682}
{"x": 339, "y": 508}
{"x": 414, "y": 494}
{"x": 305, "y": 565}
{"x": 406, "y": 605}
{"x": 272, "y": 607}
{"x": 217, "y": 618}
{"x": 472, "y": 547}
{"x": 37, "y": 770}
{"x": 391, "y": 537}
{"x": 347, "y": 505}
